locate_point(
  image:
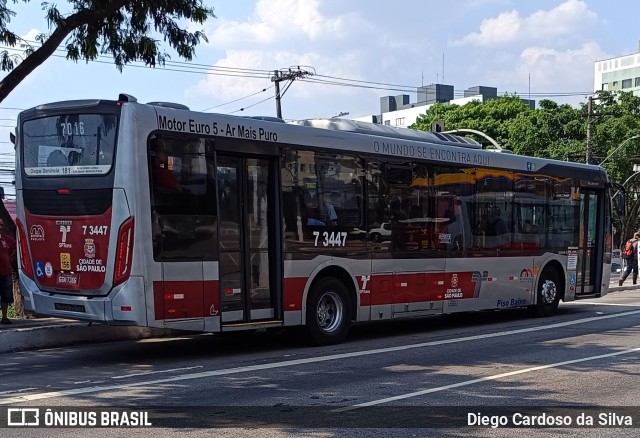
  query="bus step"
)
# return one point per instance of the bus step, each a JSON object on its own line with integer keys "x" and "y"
{"x": 585, "y": 296}
{"x": 251, "y": 325}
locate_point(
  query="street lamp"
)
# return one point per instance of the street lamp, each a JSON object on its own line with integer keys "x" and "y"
{"x": 619, "y": 146}
{"x": 636, "y": 171}
{"x": 480, "y": 133}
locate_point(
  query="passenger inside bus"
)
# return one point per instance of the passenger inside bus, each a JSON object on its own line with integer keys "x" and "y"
{"x": 528, "y": 227}
{"x": 74, "y": 158}
{"x": 57, "y": 158}
{"x": 495, "y": 226}
{"x": 163, "y": 177}
{"x": 455, "y": 227}
{"x": 320, "y": 211}
{"x": 493, "y": 230}
{"x": 397, "y": 213}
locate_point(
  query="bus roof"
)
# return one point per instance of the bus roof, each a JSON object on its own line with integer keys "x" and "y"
{"x": 387, "y": 131}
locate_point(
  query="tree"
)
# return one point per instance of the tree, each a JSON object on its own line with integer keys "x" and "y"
{"x": 126, "y": 29}
{"x": 492, "y": 117}
{"x": 550, "y": 131}
{"x": 616, "y": 118}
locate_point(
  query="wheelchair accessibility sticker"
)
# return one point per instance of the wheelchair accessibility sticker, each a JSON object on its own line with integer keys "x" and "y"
{"x": 572, "y": 279}
{"x": 39, "y": 269}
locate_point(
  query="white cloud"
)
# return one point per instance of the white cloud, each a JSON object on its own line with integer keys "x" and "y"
{"x": 226, "y": 88}
{"x": 540, "y": 68}
{"x": 282, "y": 21}
{"x": 31, "y": 35}
{"x": 291, "y": 33}
{"x": 564, "y": 20}
{"x": 576, "y": 66}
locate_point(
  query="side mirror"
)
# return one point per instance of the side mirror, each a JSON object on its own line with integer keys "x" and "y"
{"x": 12, "y": 137}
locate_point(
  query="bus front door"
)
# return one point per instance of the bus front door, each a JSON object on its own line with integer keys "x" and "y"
{"x": 247, "y": 250}
{"x": 587, "y": 250}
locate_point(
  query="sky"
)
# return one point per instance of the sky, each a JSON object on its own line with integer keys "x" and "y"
{"x": 355, "y": 52}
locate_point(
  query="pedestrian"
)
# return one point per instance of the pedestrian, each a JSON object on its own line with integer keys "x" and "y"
{"x": 630, "y": 254}
{"x": 7, "y": 253}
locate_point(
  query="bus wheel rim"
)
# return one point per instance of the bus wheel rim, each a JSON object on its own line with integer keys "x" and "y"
{"x": 330, "y": 312}
{"x": 549, "y": 292}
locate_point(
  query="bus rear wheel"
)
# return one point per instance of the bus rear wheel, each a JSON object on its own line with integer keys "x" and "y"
{"x": 549, "y": 292}
{"x": 328, "y": 311}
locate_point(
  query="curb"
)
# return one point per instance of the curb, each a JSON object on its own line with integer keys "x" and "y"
{"x": 50, "y": 336}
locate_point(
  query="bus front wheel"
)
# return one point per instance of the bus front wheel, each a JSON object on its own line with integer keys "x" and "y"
{"x": 328, "y": 311}
{"x": 549, "y": 292}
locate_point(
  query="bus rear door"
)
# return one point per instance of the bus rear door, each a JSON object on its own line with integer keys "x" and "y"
{"x": 589, "y": 254}
{"x": 248, "y": 229}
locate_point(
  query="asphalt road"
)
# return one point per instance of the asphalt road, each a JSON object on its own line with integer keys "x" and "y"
{"x": 423, "y": 375}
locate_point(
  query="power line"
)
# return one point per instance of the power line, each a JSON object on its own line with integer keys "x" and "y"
{"x": 365, "y": 82}
{"x": 250, "y": 106}
{"x": 195, "y": 68}
{"x": 460, "y": 93}
{"x": 236, "y": 100}
{"x": 189, "y": 66}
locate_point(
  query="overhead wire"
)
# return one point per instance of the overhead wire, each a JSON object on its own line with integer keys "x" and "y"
{"x": 190, "y": 67}
{"x": 197, "y": 68}
{"x": 251, "y": 106}
{"x": 236, "y": 100}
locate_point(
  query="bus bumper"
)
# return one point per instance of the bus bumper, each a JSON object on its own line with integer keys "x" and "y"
{"x": 125, "y": 304}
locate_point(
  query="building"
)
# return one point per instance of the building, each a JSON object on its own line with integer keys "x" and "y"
{"x": 398, "y": 111}
{"x": 618, "y": 74}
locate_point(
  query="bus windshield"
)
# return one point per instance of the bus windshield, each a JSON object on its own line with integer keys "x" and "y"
{"x": 69, "y": 144}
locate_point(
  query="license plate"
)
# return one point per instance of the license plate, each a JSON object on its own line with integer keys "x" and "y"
{"x": 69, "y": 307}
{"x": 67, "y": 278}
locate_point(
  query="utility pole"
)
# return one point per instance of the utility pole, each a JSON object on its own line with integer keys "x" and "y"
{"x": 285, "y": 75}
{"x": 589, "y": 157}
{"x": 276, "y": 80}
{"x": 590, "y": 117}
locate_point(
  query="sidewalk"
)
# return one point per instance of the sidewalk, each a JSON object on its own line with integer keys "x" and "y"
{"x": 29, "y": 334}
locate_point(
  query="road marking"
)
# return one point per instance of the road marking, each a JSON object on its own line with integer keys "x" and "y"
{"x": 482, "y": 379}
{"x": 125, "y": 376}
{"x": 604, "y": 304}
{"x": 295, "y": 362}
{"x": 13, "y": 391}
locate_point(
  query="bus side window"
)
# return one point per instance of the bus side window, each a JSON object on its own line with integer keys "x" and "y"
{"x": 183, "y": 208}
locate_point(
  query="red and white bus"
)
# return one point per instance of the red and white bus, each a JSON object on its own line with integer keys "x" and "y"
{"x": 155, "y": 215}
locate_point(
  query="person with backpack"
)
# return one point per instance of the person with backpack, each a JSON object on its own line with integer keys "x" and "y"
{"x": 630, "y": 254}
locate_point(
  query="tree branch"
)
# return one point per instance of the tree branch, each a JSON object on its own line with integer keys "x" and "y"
{"x": 33, "y": 61}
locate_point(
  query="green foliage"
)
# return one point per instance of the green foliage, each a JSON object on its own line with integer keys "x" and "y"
{"x": 11, "y": 313}
{"x": 128, "y": 30}
{"x": 492, "y": 117}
